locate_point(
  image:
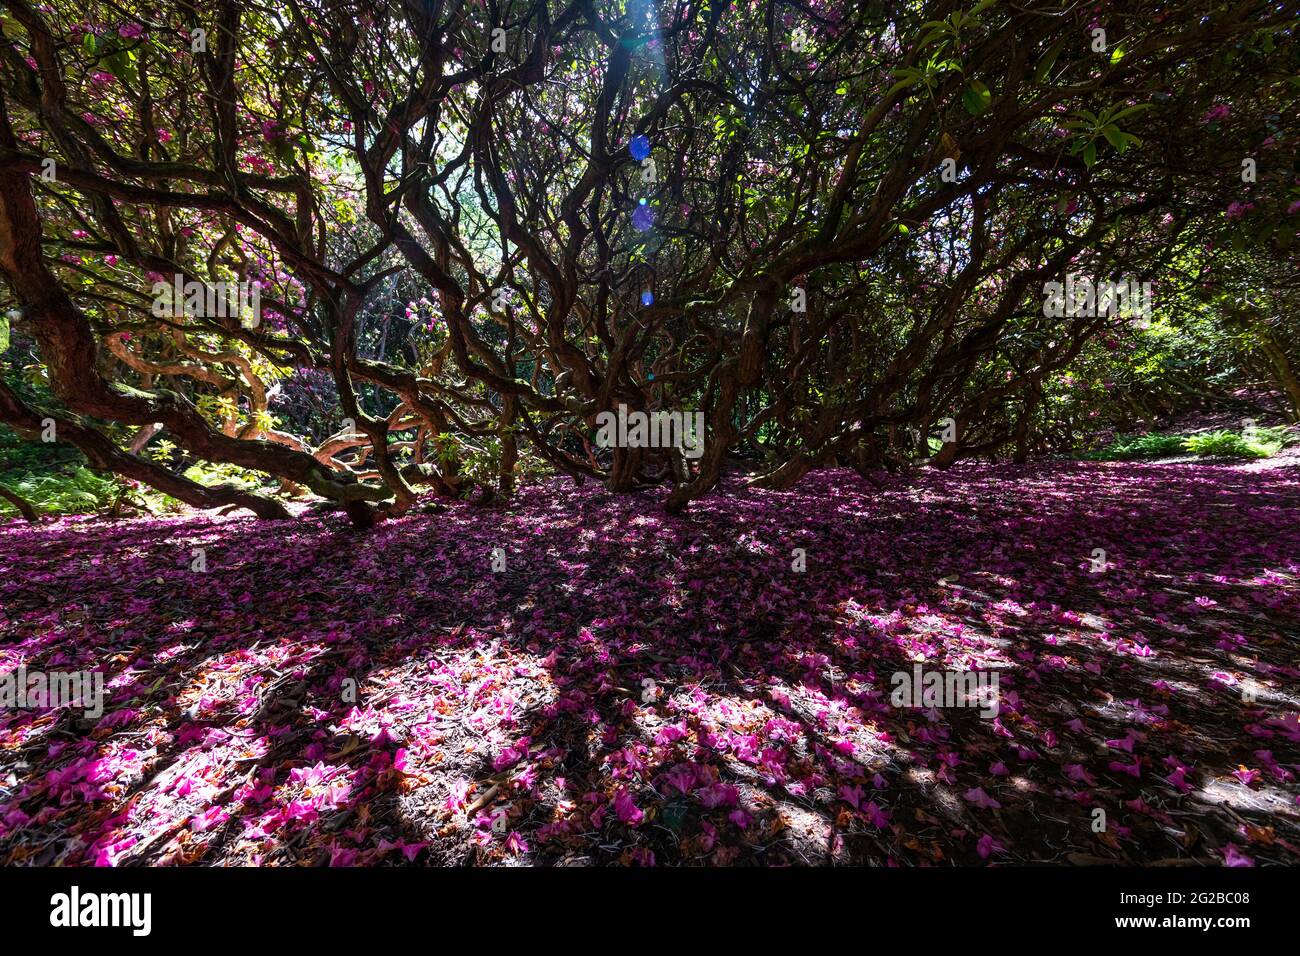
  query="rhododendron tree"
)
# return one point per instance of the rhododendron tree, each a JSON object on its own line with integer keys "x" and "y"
{"x": 708, "y": 432}
{"x": 471, "y": 229}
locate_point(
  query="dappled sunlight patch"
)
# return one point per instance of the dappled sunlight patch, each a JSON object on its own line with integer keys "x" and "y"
{"x": 640, "y": 689}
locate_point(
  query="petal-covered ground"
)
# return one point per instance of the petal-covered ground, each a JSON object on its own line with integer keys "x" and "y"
{"x": 639, "y": 689}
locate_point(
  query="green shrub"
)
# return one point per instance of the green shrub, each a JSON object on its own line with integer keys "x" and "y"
{"x": 1129, "y": 447}
{"x": 1256, "y": 443}
{"x": 19, "y": 456}
{"x": 1250, "y": 443}
{"x": 205, "y": 473}
{"x": 79, "y": 491}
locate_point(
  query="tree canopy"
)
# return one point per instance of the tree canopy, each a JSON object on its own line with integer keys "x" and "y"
{"x": 469, "y": 229}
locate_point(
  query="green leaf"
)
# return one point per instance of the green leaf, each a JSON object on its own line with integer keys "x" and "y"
{"x": 976, "y": 98}
{"x": 1115, "y": 138}
{"x": 1090, "y": 154}
{"x": 1048, "y": 61}
{"x": 1129, "y": 111}
{"x": 900, "y": 85}
{"x": 4, "y": 332}
{"x": 119, "y": 64}
{"x": 933, "y": 31}
{"x": 906, "y": 77}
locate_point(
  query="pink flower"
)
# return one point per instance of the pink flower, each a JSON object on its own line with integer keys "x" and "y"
{"x": 310, "y": 776}
{"x": 977, "y": 796}
{"x": 879, "y": 817}
{"x": 1126, "y": 743}
{"x": 408, "y": 850}
{"x": 1246, "y": 775}
{"x": 1234, "y": 857}
{"x": 511, "y": 755}
{"x": 681, "y": 778}
{"x": 343, "y": 857}
{"x": 300, "y": 810}
{"x": 1216, "y": 113}
{"x": 1133, "y": 770}
{"x": 131, "y": 31}
{"x": 987, "y": 846}
{"x": 670, "y": 733}
{"x": 209, "y": 818}
{"x": 719, "y": 795}
{"x": 627, "y": 810}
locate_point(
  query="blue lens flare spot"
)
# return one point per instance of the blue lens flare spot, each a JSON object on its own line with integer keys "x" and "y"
{"x": 639, "y": 148}
{"x": 647, "y": 298}
{"x": 643, "y": 218}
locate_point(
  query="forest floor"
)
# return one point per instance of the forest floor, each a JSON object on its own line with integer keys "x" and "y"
{"x": 638, "y": 689}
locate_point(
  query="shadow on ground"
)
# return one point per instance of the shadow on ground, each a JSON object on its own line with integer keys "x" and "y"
{"x": 637, "y": 689}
